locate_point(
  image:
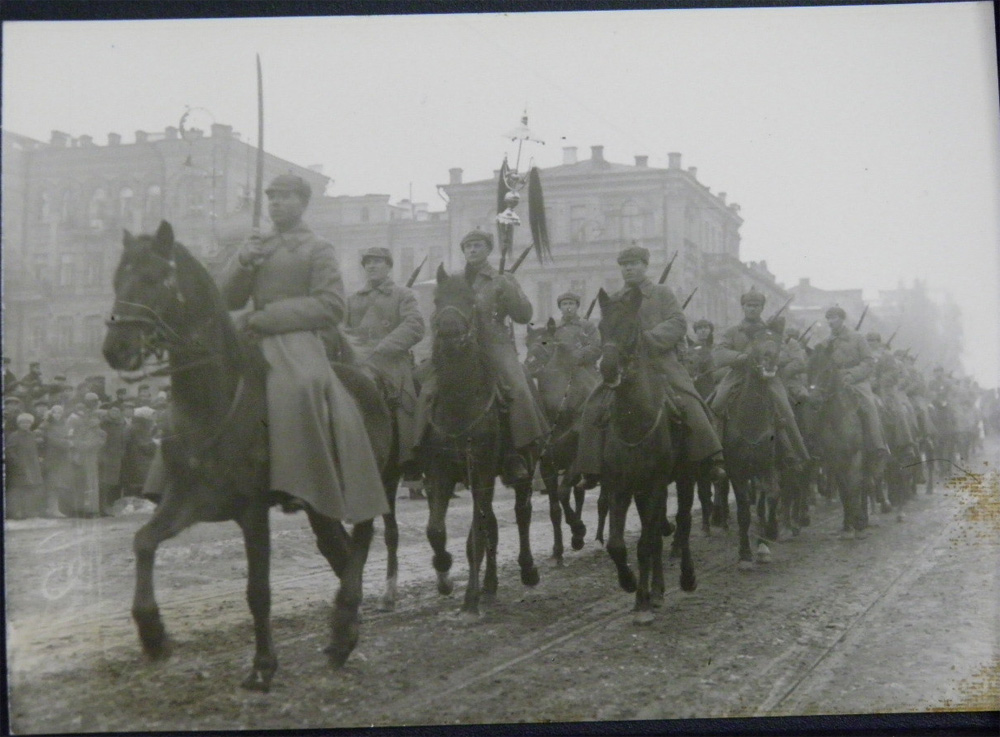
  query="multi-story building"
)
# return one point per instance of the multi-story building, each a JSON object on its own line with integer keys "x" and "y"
{"x": 595, "y": 207}
{"x": 65, "y": 204}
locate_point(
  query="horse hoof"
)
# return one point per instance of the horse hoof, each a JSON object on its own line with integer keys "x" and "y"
{"x": 470, "y": 615}
{"x": 386, "y": 604}
{"x": 643, "y": 618}
{"x": 557, "y": 561}
{"x": 707, "y": 529}
{"x": 445, "y": 586}
{"x": 577, "y": 542}
{"x": 159, "y": 651}
{"x": 668, "y": 528}
{"x": 688, "y": 582}
{"x": 627, "y": 581}
{"x": 488, "y": 597}
{"x": 656, "y": 599}
{"x": 258, "y": 681}
{"x": 847, "y": 535}
{"x": 900, "y": 517}
{"x": 763, "y": 554}
{"x": 674, "y": 553}
{"x": 885, "y": 508}
{"x": 745, "y": 565}
{"x": 530, "y": 577}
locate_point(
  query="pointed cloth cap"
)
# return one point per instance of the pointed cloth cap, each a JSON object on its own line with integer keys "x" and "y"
{"x": 290, "y": 183}
{"x": 570, "y": 296}
{"x": 477, "y": 235}
{"x": 376, "y": 252}
{"x": 836, "y": 311}
{"x": 634, "y": 253}
{"x": 753, "y": 297}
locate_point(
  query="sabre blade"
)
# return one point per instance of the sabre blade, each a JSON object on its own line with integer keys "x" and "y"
{"x": 258, "y": 198}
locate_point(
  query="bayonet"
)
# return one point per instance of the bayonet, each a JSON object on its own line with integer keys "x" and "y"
{"x": 416, "y": 272}
{"x": 666, "y": 270}
{"x": 862, "y": 318}
{"x": 688, "y": 300}
{"x": 888, "y": 343}
{"x": 782, "y": 309}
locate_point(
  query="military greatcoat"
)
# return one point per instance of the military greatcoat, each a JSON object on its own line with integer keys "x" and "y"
{"x": 663, "y": 326}
{"x": 583, "y": 339}
{"x": 850, "y": 353}
{"x": 736, "y": 341}
{"x": 386, "y": 322}
{"x": 499, "y": 296}
{"x": 319, "y": 448}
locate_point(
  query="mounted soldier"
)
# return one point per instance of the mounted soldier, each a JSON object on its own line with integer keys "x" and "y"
{"x": 851, "y": 355}
{"x": 900, "y": 417}
{"x": 664, "y": 327}
{"x": 386, "y": 323}
{"x": 733, "y": 352}
{"x": 579, "y": 334}
{"x": 498, "y": 297}
{"x": 699, "y": 358}
{"x": 319, "y": 447}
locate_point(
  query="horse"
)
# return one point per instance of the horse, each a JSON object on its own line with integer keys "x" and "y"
{"x": 750, "y": 446}
{"x": 563, "y": 387}
{"x": 464, "y": 443}
{"x": 638, "y": 455}
{"x": 215, "y": 450}
{"x": 834, "y": 422}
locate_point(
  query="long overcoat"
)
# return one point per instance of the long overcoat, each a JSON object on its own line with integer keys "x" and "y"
{"x": 386, "y": 323}
{"x": 319, "y": 448}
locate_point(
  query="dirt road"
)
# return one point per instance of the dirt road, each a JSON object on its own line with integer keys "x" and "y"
{"x": 905, "y": 620}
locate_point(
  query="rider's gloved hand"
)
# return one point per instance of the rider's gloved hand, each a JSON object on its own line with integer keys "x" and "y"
{"x": 253, "y": 252}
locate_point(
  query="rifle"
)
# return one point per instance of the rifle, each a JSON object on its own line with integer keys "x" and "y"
{"x": 782, "y": 309}
{"x": 689, "y": 298}
{"x": 802, "y": 338}
{"x": 413, "y": 277}
{"x": 259, "y": 181}
{"x": 520, "y": 259}
{"x": 666, "y": 270}
{"x": 590, "y": 309}
{"x": 862, "y": 318}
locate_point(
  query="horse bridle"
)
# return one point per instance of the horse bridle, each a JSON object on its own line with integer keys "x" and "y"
{"x": 156, "y": 337}
{"x": 470, "y": 321}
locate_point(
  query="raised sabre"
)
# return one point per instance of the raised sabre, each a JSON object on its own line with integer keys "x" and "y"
{"x": 258, "y": 198}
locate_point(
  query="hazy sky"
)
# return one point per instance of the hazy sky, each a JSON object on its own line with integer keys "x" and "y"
{"x": 862, "y": 143}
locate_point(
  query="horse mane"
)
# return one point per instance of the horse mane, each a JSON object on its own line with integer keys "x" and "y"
{"x": 451, "y": 289}
{"x": 200, "y": 288}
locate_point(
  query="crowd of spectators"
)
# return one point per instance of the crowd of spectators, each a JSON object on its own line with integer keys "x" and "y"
{"x": 73, "y": 451}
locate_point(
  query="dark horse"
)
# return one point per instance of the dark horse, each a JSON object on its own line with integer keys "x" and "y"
{"x": 464, "y": 443}
{"x": 750, "y": 447}
{"x": 563, "y": 387}
{"x": 638, "y": 455}
{"x": 215, "y": 448}
{"x": 835, "y": 424}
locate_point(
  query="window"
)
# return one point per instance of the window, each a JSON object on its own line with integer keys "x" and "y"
{"x": 632, "y": 222}
{"x": 67, "y": 214}
{"x": 365, "y": 215}
{"x": 36, "y": 338}
{"x": 93, "y": 333}
{"x": 577, "y": 224}
{"x": 544, "y": 301}
{"x": 64, "y": 334}
{"x": 125, "y": 200}
{"x": 93, "y": 270}
{"x": 44, "y": 207}
{"x": 67, "y": 270}
{"x": 97, "y": 209}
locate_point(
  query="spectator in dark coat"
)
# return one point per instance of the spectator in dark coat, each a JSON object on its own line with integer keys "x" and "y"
{"x": 23, "y": 488}
{"x": 139, "y": 451}
{"x": 110, "y": 458}
{"x": 57, "y": 469}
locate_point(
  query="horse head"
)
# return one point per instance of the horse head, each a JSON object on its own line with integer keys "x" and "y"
{"x": 763, "y": 355}
{"x": 621, "y": 333}
{"x": 456, "y": 318}
{"x": 157, "y": 306}
{"x": 542, "y": 346}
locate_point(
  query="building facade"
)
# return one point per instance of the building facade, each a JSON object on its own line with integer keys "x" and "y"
{"x": 65, "y": 205}
{"x": 595, "y": 207}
